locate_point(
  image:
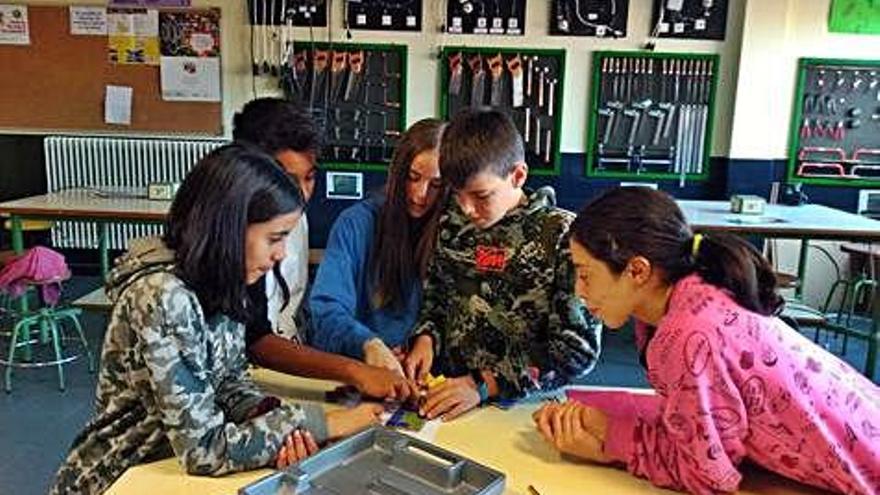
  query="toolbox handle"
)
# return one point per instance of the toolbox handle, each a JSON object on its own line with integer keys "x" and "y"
{"x": 440, "y": 467}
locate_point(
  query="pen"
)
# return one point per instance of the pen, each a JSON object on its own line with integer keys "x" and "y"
{"x": 533, "y": 491}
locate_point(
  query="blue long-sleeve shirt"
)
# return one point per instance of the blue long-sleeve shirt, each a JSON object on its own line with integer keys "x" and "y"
{"x": 343, "y": 317}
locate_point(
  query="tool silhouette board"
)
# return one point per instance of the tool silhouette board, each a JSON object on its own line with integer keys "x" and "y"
{"x": 599, "y": 18}
{"x": 690, "y": 19}
{"x": 58, "y": 82}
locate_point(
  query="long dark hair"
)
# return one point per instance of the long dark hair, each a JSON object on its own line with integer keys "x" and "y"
{"x": 234, "y": 186}
{"x": 402, "y": 245}
{"x": 638, "y": 221}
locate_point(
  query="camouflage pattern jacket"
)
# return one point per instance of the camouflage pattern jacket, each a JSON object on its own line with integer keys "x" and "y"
{"x": 502, "y": 299}
{"x": 173, "y": 382}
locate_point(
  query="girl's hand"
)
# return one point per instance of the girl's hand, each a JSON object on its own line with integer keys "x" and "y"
{"x": 376, "y": 353}
{"x": 346, "y": 422}
{"x": 399, "y": 353}
{"x": 419, "y": 360}
{"x": 452, "y": 398}
{"x": 297, "y": 445}
{"x": 574, "y": 429}
{"x": 383, "y": 383}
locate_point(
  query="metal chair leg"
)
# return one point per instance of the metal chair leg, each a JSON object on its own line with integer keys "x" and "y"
{"x": 48, "y": 323}
{"x": 7, "y": 376}
{"x": 74, "y": 316}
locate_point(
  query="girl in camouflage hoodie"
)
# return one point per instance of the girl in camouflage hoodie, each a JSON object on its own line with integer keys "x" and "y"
{"x": 173, "y": 379}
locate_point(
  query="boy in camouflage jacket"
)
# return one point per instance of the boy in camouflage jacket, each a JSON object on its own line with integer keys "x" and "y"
{"x": 499, "y": 311}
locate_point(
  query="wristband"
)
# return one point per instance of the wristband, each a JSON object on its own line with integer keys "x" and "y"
{"x": 482, "y": 386}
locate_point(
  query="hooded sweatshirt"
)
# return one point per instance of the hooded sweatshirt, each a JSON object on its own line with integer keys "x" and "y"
{"x": 502, "y": 299}
{"x": 173, "y": 381}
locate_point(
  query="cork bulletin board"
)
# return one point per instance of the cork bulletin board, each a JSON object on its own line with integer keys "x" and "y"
{"x": 58, "y": 82}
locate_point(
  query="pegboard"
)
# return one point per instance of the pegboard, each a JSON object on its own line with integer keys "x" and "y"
{"x": 525, "y": 83}
{"x": 384, "y": 15}
{"x": 691, "y": 19}
{"x": 651, "y": 115}
{"x": 356, "y": 93}
{"x": 599, "y": 18}
{"x": 279, "y": 12}
{"x": 835, "y": 129}
{"x": 495, "y": 17}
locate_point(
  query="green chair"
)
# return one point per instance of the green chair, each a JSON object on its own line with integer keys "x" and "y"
{"x": 44, "y": 326}
{"x": 856, "y": 288}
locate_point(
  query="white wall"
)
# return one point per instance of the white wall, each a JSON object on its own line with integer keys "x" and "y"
{"x": 423, "y": 79}
{"x": 776, "y": 33}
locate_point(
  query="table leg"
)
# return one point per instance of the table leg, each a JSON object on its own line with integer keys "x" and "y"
{"x": 874, "y": 335}
{"x": 102, "y": 247}
{"x": 873, "y": 343}
{"x": 18, "y": 247}
{"x": 802, "y": 270}
{"x": 17, "y": 234}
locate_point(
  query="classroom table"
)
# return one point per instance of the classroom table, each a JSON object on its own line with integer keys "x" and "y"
{"x": 79, "y": 204}
{"x": 805, "y": 222}
{"x": 503, "y": 440}
{"x": 83, "y": 204}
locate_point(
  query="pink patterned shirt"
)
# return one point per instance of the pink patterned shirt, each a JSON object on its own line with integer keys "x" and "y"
{"x": 733, "y": 384}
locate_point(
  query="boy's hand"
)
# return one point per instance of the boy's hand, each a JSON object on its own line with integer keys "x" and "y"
{"x": 298, "y": 445}
{"x": 574, "y": 429}
{"x": 376, "y": 353}
{"x": 419, "y": 360}
{"x": 345, "y": 422}
{"x": 450, "y": 399}
{"x": 383, "y": 383}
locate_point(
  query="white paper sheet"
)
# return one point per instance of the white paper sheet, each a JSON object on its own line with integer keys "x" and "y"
{"x": 190, "y": 78}
{"x": 88, "y": 20}
{"x": 14, "y": 27}
{"x": 117, "y": 105}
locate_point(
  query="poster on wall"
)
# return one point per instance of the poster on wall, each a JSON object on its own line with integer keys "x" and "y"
{"x": 191, "y": 33}
{"x": 14, "y": 28}
{"x": 133, "y": 36}
{"x": 88, "y": 20}
{"x": 854, "y": 16}
{"x": 190, "y": 48}
{"x": 190, "y": 78}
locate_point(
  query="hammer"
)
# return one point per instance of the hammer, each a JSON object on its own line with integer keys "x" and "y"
{"x": 669, "y": 108}
{"x": 636, "y": 116}
{"x": 611, "y": 109}
{"x": 636, "y": 113}
{"x": 660, "y": 115}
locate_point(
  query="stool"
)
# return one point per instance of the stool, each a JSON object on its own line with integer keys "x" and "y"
{"x": 49, "y": 320}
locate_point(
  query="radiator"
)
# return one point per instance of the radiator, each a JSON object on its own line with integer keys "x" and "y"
{"x": 118, "y": 164}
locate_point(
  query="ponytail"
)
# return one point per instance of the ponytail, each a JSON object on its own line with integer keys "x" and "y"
{"x": 637, "y": 221}
{"x": 729, "y": 262}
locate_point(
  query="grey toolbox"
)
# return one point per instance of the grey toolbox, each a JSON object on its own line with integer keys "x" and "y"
{"x": 381, "y": 461}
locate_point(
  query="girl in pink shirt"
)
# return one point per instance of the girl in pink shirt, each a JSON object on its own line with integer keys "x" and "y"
{"x": 732, "y": 381}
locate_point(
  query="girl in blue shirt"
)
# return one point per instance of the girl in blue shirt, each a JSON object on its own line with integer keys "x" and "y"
{"x": 367, "y": 292}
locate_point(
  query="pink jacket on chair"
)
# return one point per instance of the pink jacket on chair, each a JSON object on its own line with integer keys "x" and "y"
{"x": 38, "y": 266}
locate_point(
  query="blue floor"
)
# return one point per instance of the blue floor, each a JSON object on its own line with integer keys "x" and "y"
{"x": 38, "y": 422}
